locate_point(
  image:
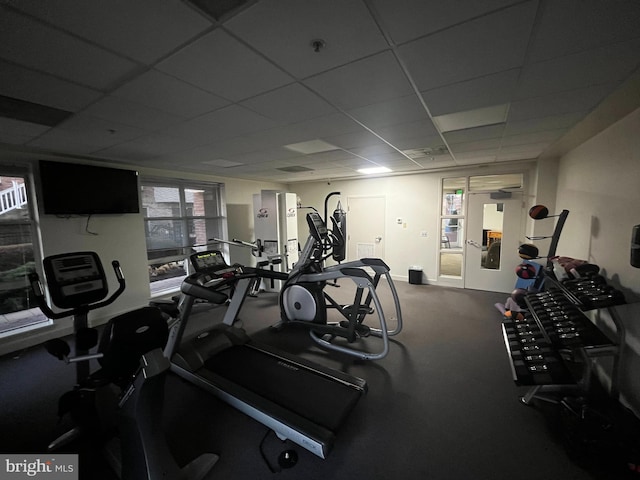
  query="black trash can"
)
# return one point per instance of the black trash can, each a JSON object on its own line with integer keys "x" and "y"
{"x": 415, "y": 275}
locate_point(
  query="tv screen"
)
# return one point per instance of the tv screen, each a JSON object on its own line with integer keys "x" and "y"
{"x": 75, "y": 189}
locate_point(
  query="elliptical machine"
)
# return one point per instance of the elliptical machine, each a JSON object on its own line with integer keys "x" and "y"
{"x": 305, "y": 302}
{"x": 130, "y": 354}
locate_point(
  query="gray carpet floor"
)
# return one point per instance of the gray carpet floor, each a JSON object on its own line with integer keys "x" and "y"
{"x": 441, "y": 405}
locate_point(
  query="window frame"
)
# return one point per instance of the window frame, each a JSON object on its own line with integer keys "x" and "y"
{"x": 184, "y": 219}
{"x": 25, "y": 171}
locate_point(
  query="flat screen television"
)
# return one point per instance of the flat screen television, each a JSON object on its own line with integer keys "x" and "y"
{"x": 76, "y": 189}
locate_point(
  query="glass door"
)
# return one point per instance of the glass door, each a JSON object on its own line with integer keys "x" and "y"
{"x": 492, "y": 242}
{"x": 479, "y": 234}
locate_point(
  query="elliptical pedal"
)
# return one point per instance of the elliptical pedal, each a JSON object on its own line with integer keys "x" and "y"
{"x": 361, "y": 330}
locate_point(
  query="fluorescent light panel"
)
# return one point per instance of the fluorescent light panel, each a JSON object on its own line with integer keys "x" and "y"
{"x": 472, "y": 118}
{"x": 311, "y": 146}
{"x": 372, "y": 170}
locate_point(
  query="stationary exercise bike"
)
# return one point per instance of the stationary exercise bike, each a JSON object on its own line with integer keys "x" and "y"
{"x": 304, "y": 300}
{"x": 130, "y": 354}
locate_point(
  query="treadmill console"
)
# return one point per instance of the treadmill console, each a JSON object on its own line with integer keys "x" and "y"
{"x": 317, "y": 227}
{"x": 209, "y": 261}
{"x": 75, "y": 279}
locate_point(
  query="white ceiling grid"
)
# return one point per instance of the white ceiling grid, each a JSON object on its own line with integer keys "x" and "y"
{"x": 163, "y": 84}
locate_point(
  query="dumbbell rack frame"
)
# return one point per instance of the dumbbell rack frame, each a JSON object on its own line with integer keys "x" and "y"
{"x": 559, "y": 355}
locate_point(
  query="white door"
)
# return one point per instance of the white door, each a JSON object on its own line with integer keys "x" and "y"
{"x": 365, "y": 227}
{"x": 491, "y": 247}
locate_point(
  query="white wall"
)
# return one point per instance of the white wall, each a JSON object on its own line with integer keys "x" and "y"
{"x": 415, "y": 199}
{"x": 598, "y": 184}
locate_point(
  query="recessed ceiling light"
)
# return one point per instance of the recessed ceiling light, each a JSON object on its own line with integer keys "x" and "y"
{"x": 311, "y": 146}
{"x": 472, "y": 118}
{"x": 372, "y": 170}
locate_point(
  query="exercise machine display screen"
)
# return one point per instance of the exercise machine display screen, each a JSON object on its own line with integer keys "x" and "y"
{"x": 75, "y": 279}
{"x": 317, "y": 227}
{"x": 211, "y": 260}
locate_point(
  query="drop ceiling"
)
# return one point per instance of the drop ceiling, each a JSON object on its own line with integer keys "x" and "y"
{"x": 291, "y": 91}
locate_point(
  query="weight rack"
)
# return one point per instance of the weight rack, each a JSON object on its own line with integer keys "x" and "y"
{"x": 551, "y": 349}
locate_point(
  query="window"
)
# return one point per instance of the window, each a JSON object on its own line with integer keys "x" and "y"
{"x": 452, "y": 226}
{"x": 180, "y": 217}
{"x": 18, "y": 254}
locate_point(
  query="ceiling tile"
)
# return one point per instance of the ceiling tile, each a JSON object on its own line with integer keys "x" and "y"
{"x": 545, "y": 123}
{"x": 86, "y": 134}
{"x": 494, "y": 89}
{"x": 474, "y": 134}
{"x": 375, "y": 151}
{"x": 607, "y": 64}
{"x": 148, "y": 146}
{"x": 409, "y": 19}
{"x": 480, "y": 145}
{"x": 292, "y": 103}
{"x": 579, "y": 100}
{"x": 36, "y": 87}
{"x": 226, "y": 122}
{"x": 158, "y": 90}
{"x": 220, "y": 64}
{"x": 411, "y": 135}
{"x": 346, "y": 27}
{"x": 359, "y": 139}
{"x": 537, "y": 137}
{"x": 130, "y": 113}
{"x": 145, "y": 33}
{"x": 322, "y": 127}
{"x": 239, "y": 90}
{"x": 572, "y": 26}
{"x": 488, "y": 155}
{"x": 480, "y": 47}
{"x": 18, "y": 128}
{"x": 12, "y": 139}
{"x": 364, "y": 82}
{"x": 27, "y": 42}
{"x": 397, "y": 110}
{"x": 521, "y": 152}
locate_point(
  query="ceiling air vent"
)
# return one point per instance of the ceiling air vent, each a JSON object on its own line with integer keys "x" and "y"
{"x": 426, "y": 152}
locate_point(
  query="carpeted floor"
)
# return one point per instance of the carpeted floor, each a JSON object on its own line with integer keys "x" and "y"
{"x": 442, "y": 404}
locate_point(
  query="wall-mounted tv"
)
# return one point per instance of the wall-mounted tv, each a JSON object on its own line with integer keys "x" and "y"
{"x": 76, "y": 189}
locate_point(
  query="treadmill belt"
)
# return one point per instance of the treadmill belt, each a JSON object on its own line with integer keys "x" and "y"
{"x": 309, "y": 394}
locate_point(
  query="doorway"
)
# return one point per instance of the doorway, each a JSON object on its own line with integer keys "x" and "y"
{"x": 471, "y": 222}
{"x": 365, "y": 227}
{"x": 493, "y": 230}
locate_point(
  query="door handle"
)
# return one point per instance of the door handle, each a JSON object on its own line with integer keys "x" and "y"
{"x": 474, "y": 243}
{"x": 378, "y": 239}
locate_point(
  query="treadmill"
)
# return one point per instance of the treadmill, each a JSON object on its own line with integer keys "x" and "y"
{"x": 296, "y": 398}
